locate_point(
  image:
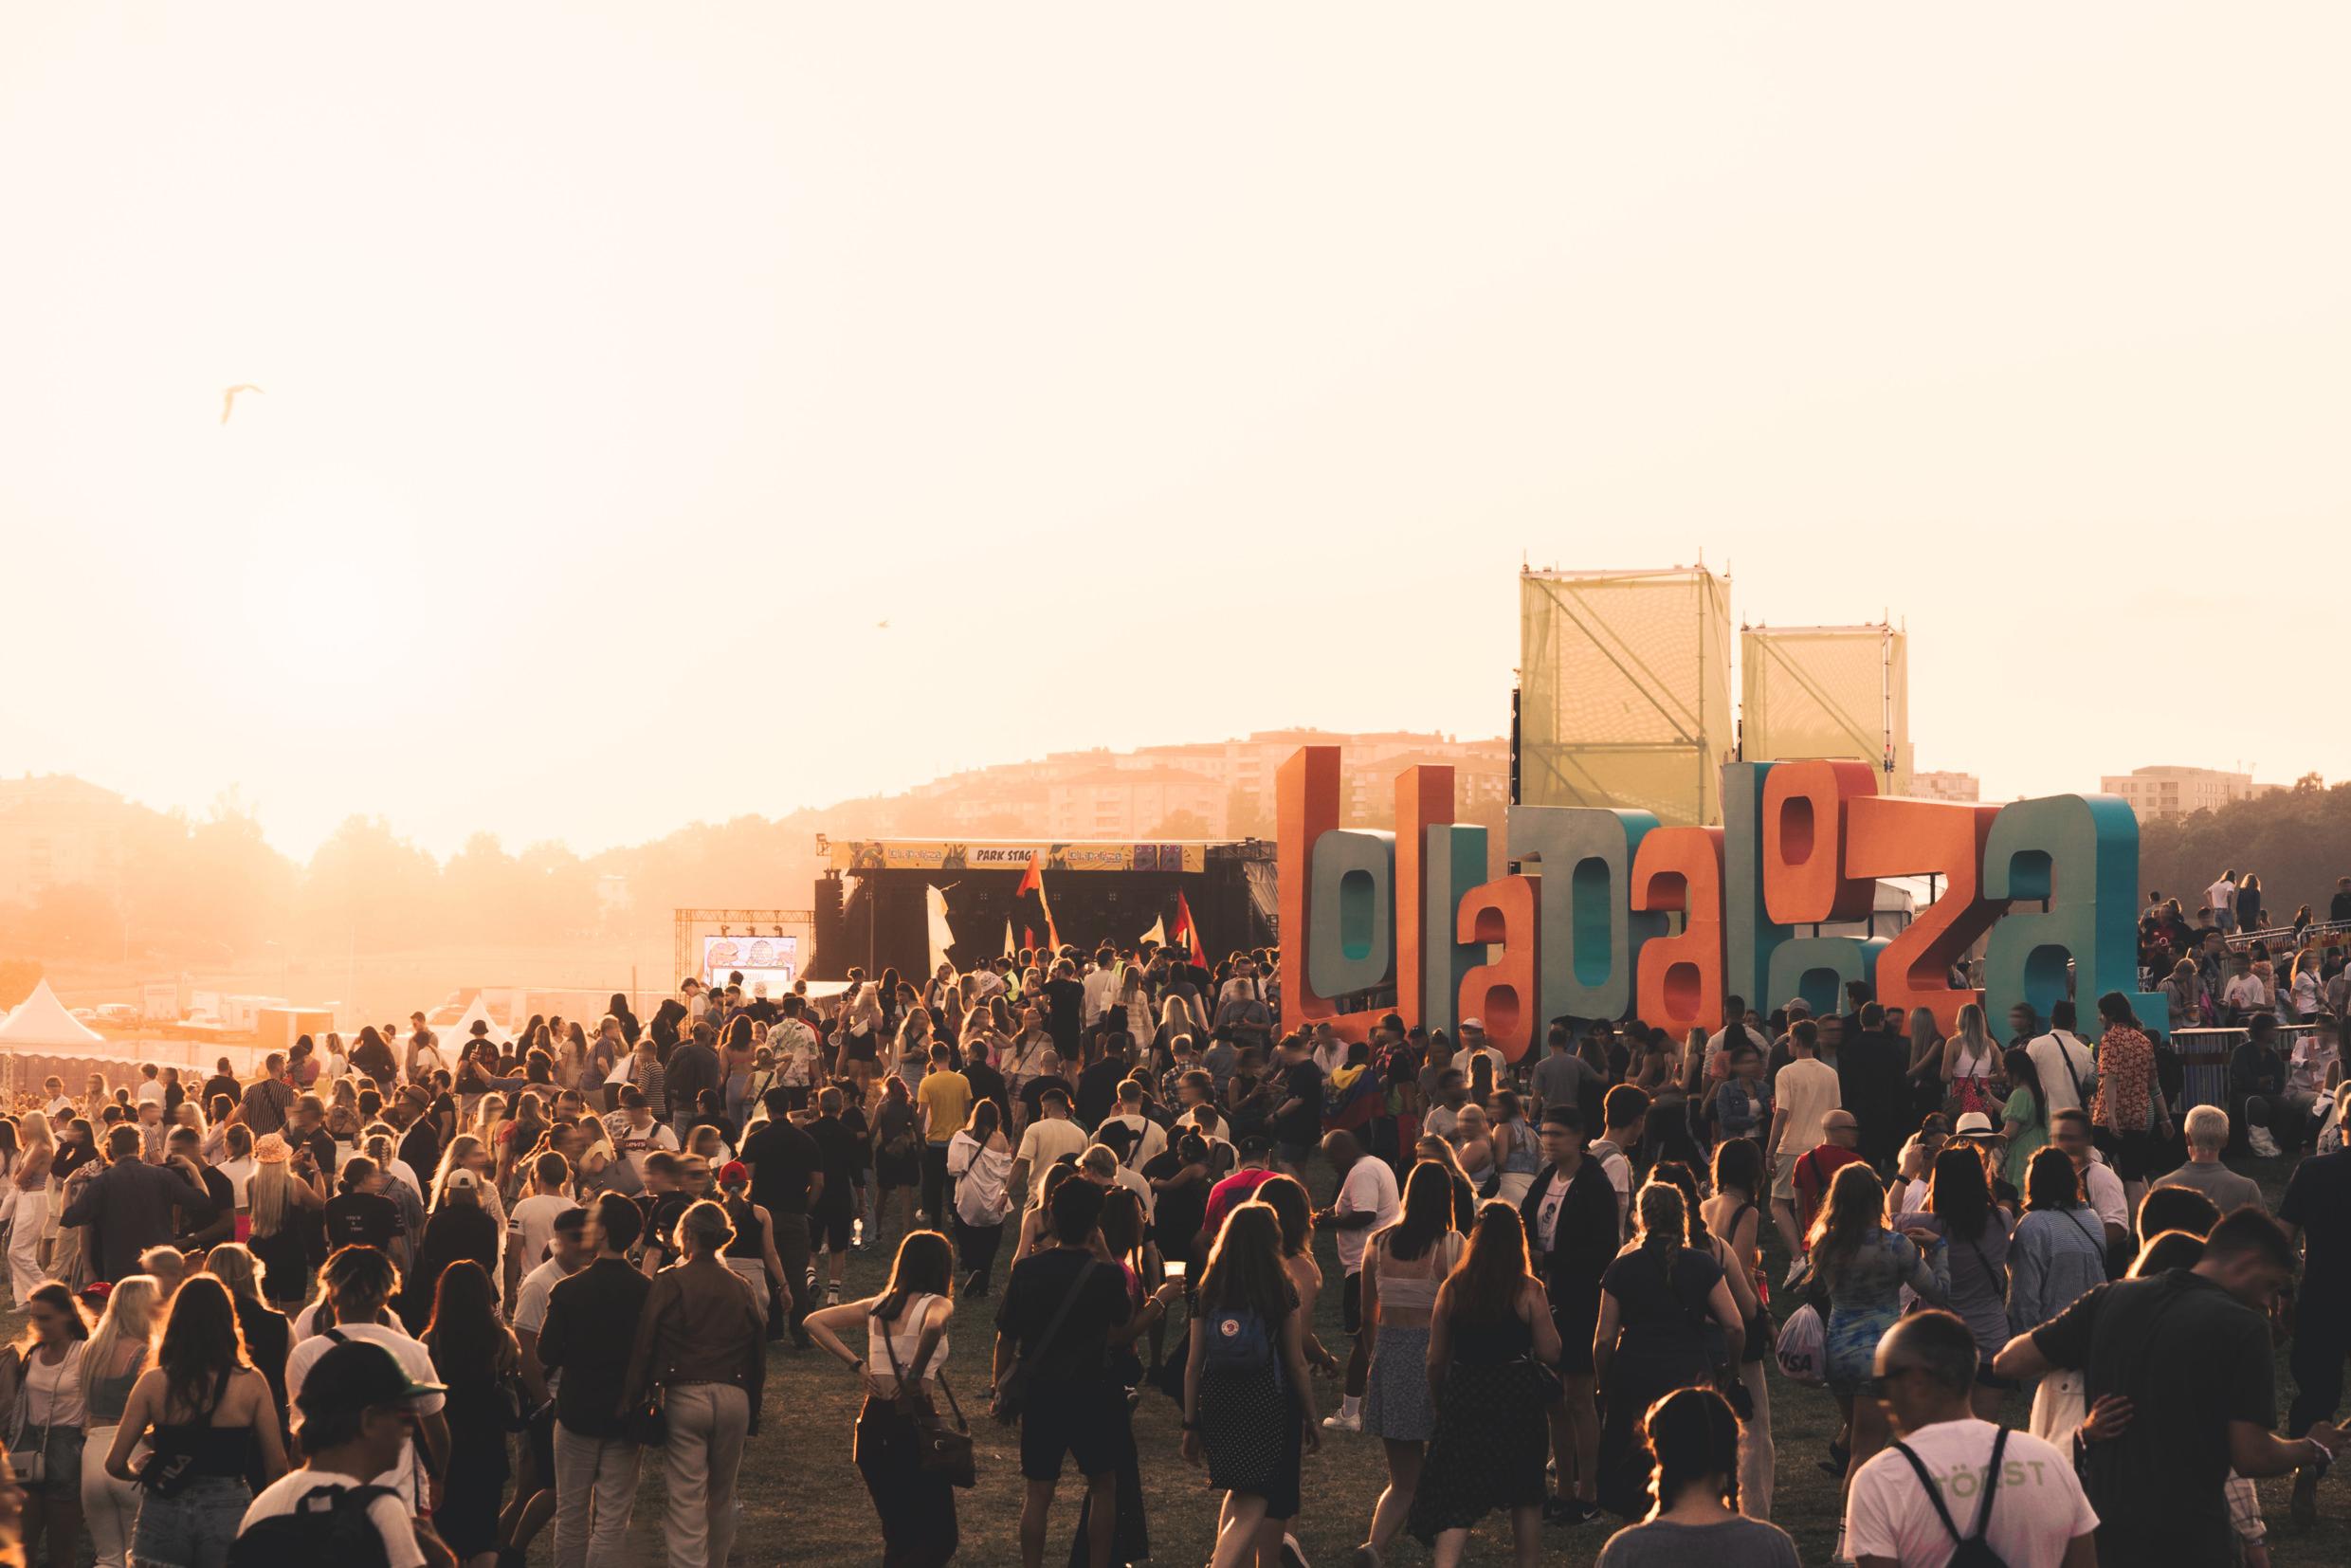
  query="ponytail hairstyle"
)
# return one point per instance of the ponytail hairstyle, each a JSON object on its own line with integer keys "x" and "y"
{"x": 1679, "y": 1177}
{"x": 1692, "y": 1439}
{"x": 1665, "y": 1224}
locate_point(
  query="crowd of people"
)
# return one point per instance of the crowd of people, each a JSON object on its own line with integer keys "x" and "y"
{"x": 437, "y": 1297}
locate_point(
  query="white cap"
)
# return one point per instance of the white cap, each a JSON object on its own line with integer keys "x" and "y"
{"x": 1477, "y": 1023}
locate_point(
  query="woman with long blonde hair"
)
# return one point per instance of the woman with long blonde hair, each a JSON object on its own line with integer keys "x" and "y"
{"x": 36, "y": 1151}
{"x": 1974, "y": 1076}
{"x": 273, "y": 1198}
{"x": 116, "y": 1355}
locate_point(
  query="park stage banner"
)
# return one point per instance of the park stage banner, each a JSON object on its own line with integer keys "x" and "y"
{"x": 932, "y": 854}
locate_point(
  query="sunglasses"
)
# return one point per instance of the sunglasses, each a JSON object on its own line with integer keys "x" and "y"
{"x": 1882, "y": 1386}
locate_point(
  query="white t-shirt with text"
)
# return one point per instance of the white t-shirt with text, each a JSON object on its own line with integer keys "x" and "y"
{"x": 2037, "y": 1509}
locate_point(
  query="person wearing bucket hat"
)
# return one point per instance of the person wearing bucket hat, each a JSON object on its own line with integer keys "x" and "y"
{"x": 358, "y": 1407}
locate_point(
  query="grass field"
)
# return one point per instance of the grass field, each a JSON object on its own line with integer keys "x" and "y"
{"x": 804, "y": 1502}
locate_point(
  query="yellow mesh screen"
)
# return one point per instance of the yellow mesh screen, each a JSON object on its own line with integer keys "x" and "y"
{"x": 1624, "y": 684}
{"x": 1821, "y": 692}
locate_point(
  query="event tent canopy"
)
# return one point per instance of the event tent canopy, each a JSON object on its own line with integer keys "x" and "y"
{"x": 42, "y": 1022}
{"x": 456, "y": 1034}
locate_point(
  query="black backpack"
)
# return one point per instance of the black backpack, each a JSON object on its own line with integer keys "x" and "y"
{"x": 1971, "y": 1551}
{"x": 328, "y": 1525}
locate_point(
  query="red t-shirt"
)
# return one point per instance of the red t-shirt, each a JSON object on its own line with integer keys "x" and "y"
{"x": 1228, "y": 1194}
{"x": 1814, "y": 1172}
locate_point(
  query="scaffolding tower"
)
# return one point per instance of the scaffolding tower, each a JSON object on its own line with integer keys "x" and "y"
{"x": 1840, "y": 692}
{"x": 1624, "y": 694}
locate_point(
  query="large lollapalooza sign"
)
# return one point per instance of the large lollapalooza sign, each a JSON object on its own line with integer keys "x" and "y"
{"x": 1583, "y": 931}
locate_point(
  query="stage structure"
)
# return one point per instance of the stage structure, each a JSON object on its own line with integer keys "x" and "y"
{"x": 873, "y": 905}
{"x": 770, "y": 945}
{"x": 1841, "y": 693}
{"x": 1624, "y": 692}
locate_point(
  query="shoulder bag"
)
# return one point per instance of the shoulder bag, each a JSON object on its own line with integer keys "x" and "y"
{"x": 940, "y": 1449}
{"x": 1013, "y": 1393}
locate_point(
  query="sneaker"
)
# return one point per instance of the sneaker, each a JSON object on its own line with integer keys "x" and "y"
{"x": 2262, "y": 1143}
{"x": 1570, "y": 1511}
{"x": 1293, "y": 1555}
{"x": 1341, "y": 1421}
{"x": 832, "y": 1295}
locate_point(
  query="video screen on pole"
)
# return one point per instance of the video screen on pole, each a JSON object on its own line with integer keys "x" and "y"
{"x": 774, "y": 959}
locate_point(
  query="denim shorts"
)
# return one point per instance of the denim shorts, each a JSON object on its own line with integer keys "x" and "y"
{"x": 194, "y": 1529}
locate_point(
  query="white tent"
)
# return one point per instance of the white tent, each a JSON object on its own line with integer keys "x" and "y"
{"x": 454, "y": 1037}
{"x": 42, "y": 1022}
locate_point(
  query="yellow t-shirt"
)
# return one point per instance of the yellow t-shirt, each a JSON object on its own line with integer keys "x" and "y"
{"x": 948, "y": 1098}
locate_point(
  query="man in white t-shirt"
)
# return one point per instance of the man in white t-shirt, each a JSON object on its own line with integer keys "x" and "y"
{"x": 1474, "y": 1046}
{"x": 2221, "y": 895}
{"x": 357, "y": 1407}
{"x": 1366, "y": 1202}
{"x": 358, "y": 1285}
{"x": 635, "y": 1132}
{"x": 2063, "y": 1062}
{"x": 1047, "y": 1139}
{"x": 1805, "y": 1092}
{"x": 531, "y": 1223}
{"x": 2030, "y": 1510}
{"x": 2070, "y": 1131}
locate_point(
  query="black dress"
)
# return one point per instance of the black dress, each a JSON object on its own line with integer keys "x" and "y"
{"x": 1250, "y": 1422}
{"x": 476, "y": 1487}
{"x": 1491, "y": 1442}
{"x": 1661, "y": 1346}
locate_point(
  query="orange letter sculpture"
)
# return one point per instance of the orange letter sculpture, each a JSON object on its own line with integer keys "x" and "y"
{"x": 1888, "y": 837}
{"x": 1501, "y": 995}
{"x": 1806, "y": 880}
{"x": 1681, "y": 976}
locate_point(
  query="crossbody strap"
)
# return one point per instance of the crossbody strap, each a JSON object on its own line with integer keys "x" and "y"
{"x": 1991, "y": 1481}
{"x": 1061, "y": 1315}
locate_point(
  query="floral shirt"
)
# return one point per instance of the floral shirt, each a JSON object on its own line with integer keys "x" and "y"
{"x": 2125, "y": 1096}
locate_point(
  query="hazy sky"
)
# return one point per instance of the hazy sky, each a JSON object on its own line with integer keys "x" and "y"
{"x": 624, "y": 365}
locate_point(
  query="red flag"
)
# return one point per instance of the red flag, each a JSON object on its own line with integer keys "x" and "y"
{"x": 1032, "y": 881}
{"x": 1190, "y": 932}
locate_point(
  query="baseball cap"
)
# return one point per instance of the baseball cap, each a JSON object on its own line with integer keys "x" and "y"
{"x": 356, "y": 1375}
{"x": 733, "y": 1172}
{"x": 463, "y": 1181}
{"x": 1477, "y": 1023}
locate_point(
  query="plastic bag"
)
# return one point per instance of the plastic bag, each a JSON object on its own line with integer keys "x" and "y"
{"x": 1803, "y": 1347}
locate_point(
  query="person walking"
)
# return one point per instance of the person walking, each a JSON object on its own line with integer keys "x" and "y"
{"x": 905, "y": 1349}
{"x": 1733, "y": 1216}
{"x": 1959, "y": 1208}
{"x": 980, "y": 1162}
{"x": 46, "y": 1417}
{"x": 30, "y": 1178}
{"x": 588, "y": 1337}
{"x": 1570, "y": 1226}
{"x": 1490, "y": 1341}
{"x": 478, "y": 1359}
{"x": 116, "y": 1355}
{"x": 1403, "y": 1267}
{"x": 1655, "y": 1301}
{"x": 751, "y": 1253}
{"x": 703, "y": 1344}
{"x": 1247, "y": 1405}
{"x": 206, "y": 1410}
{"x": 359, "y": 1284}
{"x": 2057, "y": 1254}
{"x": 1858, "y": 1270}
{"x": 1691, "y": 1438}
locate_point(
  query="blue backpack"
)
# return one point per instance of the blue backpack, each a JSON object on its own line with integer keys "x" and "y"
{"x": 1236, "y": 1342}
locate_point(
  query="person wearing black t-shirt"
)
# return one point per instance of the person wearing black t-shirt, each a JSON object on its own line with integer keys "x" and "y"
{"x": 223, "y": 1082}
{"x": 1074, "y": 1407}
{"x": 1179, "y": 1178}
{"x": 2190, "y": 1349}
{"x": 788, "y": 1179}
{"x": 360, "y": 1214}
{"x": 1298, "y": 1113}
{"x": 197, "y": 1232}
{"x": 420, "y": 1142}
{"x": 987, "y": 1084}
{"x": 1065, "y": 1009}
{"x": 840, "y": 1156}
{"x": 1098, "y": 1085}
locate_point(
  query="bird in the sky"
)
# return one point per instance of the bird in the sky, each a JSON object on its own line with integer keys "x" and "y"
{"x": 881, "y": 626}
{"x": 228, "y": 398}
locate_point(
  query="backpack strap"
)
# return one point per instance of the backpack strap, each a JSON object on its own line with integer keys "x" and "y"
{"x": 1934, "y": 1493}
{"x": 1992, "y": 1483}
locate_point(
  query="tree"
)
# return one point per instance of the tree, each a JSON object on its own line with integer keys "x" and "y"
{"x": 1183, "y": 825}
